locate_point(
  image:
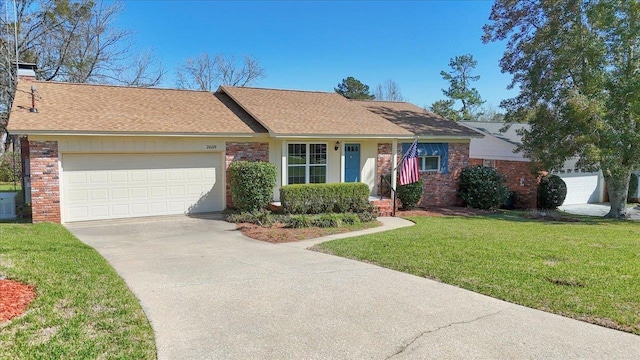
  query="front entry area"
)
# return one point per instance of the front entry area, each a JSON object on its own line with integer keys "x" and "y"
{"x": 352, "y": 162}
{"x": 112, "y": 186}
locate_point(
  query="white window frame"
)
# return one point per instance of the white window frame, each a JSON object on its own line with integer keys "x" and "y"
{"x": 489, "y": 163}
{"x": 423, "y": 163}
{"x": 307, "y": 165}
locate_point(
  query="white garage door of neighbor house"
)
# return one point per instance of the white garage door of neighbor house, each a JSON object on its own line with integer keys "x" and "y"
{"x": 581, "y": 189}
{"x": 111, "y": 186}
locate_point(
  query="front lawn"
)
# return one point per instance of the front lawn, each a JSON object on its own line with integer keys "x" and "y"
{"x": 10, "y": 187}
{"x": 588, "y": 270}
{"x": 83, "y": 309}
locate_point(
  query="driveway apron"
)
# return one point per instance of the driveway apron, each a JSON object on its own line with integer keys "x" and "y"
{"x": 212, "y": 293}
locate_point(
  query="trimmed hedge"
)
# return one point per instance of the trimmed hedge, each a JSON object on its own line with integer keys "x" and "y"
{"x": 482, "y": 187}
{"x": 552, "y": 191}
{"x": 325, "y": 198}
{"x": 10, "y": 167}
{"x": 323, "y": 220}
{"x": 252, "y": 184}
{"x": 410, "y": 194}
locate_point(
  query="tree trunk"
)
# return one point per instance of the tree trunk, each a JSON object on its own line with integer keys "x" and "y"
{"x": 618, "y": 188}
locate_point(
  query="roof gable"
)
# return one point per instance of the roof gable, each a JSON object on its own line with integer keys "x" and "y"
{"x": 308, "y": 113}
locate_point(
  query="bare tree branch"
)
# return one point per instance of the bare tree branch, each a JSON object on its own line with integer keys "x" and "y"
{"x": 207, "y": 73}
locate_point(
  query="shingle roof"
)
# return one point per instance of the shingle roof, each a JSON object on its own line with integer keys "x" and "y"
{"x": 417, "y": 120}
{"x": 85, "y": 108}
{"x": 494, "y": 128}
{"x": 290, "y": 113}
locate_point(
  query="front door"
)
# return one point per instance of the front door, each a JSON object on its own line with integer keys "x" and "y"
{"x": 352, "y": 162}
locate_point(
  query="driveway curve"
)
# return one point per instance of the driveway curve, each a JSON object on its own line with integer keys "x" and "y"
{"x": 212, "y": 293}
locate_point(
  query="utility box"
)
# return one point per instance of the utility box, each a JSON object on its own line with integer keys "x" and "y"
{"x": 8, "y": 205}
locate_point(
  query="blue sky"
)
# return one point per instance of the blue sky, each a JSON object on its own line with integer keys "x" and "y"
{"x": 313, "y": 45}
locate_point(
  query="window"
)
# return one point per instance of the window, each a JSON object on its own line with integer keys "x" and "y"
{"x": 489, "y": 163}
{"x": 432, "y": 157}
{"x": 307, "y": 163}
{"x": 429, "y": 163}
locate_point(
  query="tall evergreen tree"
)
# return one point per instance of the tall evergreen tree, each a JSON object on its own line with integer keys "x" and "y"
{"x": 352, "y": 88}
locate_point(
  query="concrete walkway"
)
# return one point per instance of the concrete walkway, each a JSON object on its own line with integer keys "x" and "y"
{"x": 211, "y": 293}
{"x": 598, "y": 210}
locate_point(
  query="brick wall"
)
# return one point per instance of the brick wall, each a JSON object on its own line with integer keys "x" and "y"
{"x": 243, "y": 151}
{"x": 45, "y": 184}
{"x": 383, "y": 164}
{"x": 520, "y": 179}
{"x": 441, "y": 190}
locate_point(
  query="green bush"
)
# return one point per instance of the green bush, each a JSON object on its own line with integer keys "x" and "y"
{"x": 632, "y": 197}
{"x": 260, "y": 217}
{"x": 10, "y": 166}
{"x": 552, "y": 191}
{"x": 325, "y": 198}
{"x": 410, "y": 194}
{"x": 482, "y": 187}
{"x": 327, "y": 220}
{"x": 252, "y": 184}
{"x": 367, "y": 216}
{"x": 299, "y": 221}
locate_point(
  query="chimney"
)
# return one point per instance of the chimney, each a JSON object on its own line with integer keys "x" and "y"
{"x": 26, "y": 71}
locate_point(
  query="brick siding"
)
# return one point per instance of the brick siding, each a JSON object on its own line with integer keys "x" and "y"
{"x": 383, "y": 164}
{"x": 45, "y": 181}
{"x": 243, "y": 151}
{"x": 441, "y": 190}
{"x": 520, "y": 179}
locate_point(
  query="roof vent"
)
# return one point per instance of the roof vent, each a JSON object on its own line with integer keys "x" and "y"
{"x": 33, "y": 108}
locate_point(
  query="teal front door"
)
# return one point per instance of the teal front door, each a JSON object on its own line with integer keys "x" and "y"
{"x": 351, "y": 162}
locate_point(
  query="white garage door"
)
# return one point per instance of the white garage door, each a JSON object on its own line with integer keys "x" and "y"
{"x": 112, "y": 186}
{"x": 581, "y": 189}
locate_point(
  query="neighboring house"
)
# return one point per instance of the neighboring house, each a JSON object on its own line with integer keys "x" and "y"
{"x": 101, "y": 152}
{"x": 497, "y": 149}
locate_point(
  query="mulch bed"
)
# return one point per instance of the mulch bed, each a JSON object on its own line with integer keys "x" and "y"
{"x": 279, "y": 233}
{"x": 15, "y": 297}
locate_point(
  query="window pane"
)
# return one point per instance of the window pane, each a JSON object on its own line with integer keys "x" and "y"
{"x": 318, "y": 153}
{"x": 297, "y": 154}
{"x": 317, "y": 174}
{"x": 296, "y": 174}
{"x": 430, "y": 163}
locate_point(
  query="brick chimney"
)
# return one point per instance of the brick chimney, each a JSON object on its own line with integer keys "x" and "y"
{"x": 26, "y": 71}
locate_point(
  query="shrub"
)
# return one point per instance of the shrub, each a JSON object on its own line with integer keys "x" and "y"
{"x": 482, "y": 187}
{"x": 367, "y": 216}
{"x": 10, "y": 167}
{"x": 252, "y": 184}
{"x": 327, "y": 220}
{"x": 410, "y": 194}
{"x": 633, "y": 188}
{"x": 552, "y": 191}
{"x": 298, "y": 221}
{"x": 260, "y": 217}
{"x": 325, "y": 198}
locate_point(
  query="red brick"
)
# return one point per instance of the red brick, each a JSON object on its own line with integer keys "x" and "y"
{"x": 243, "y": 151}
{"x": 45, "y": 184}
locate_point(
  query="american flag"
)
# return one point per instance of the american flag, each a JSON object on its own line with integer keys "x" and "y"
{"x": 410, "y": 171}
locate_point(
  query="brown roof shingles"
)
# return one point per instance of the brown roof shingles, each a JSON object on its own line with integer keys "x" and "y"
{"x": 417, "y": 120}
{"x": 85, "y": 108}
{"x": 307, "y": 113}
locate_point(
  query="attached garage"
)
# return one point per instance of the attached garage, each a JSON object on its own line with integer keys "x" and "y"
{"x": 582, "y": 188}
{"x": 111, "y": 186}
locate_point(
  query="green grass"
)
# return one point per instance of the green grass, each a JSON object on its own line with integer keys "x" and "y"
{"x": 83, "y": 309}
{"x": 588, "y": 270}
{"x": 10, "y": 187}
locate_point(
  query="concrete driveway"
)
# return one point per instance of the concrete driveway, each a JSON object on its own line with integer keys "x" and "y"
{"x": 212, "y": 293}
{"x": 599, "y": 210}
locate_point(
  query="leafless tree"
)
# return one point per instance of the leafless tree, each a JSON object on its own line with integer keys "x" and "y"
{"x": 389, "y": 91}
{"x": 73, "y": 41}
{"x": 207, "y": 73}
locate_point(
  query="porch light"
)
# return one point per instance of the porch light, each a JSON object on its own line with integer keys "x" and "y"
{"x": 337, "y": 146}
